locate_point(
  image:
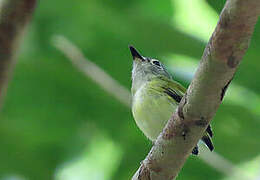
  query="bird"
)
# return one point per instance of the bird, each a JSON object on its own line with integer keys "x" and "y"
{"x": 155, "y": 97}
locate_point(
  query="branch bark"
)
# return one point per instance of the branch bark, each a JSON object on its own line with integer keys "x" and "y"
{"x": 122, "y": 94}
{"x": 217, "y": 67}
{"x": 14, "y": 15}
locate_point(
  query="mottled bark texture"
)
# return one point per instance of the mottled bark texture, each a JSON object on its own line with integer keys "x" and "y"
{"x": 220, "y": 60}
{"x": 14, "y": 15}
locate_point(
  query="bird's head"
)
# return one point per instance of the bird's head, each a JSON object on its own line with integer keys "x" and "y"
{"x": 145, "y": 69}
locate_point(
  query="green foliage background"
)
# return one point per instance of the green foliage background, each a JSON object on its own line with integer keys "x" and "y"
{"x": 58, "y": 124}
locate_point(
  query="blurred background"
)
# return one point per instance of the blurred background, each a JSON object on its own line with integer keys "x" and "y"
{"x": 59, "y": 124}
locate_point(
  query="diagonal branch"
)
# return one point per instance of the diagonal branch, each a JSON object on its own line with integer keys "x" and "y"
{"x": 220, "y": 61}
{"x": 14, "y": 16}
{"x": 87, "y": 67}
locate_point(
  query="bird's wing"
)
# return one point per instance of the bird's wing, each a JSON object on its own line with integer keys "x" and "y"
{"x": 173, "y": 88}
{"x": 176, "y": 91}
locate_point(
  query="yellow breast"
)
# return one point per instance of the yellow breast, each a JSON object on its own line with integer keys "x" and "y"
{"x": 151, "y": 110}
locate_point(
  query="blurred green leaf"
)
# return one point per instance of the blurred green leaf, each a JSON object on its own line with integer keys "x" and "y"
{"x": 52, "y": 112}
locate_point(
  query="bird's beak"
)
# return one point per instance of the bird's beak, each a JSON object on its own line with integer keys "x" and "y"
{"x": 136, "y": 54}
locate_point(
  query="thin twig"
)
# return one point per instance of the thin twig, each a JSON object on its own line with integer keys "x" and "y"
{"x": 91, "y": 70}
{"x": 222, "y": 165}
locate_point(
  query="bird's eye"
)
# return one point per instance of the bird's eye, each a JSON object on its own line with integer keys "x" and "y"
{"x": 157, "y": 63}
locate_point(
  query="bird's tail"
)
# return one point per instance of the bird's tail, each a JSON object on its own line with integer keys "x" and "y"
{"x": 206, "y": 138}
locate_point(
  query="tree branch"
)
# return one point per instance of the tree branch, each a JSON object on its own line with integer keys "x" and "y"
{"x": 14, "y": 15}
{"x": 221, "y": 58}
{"x": 100, "y": 77}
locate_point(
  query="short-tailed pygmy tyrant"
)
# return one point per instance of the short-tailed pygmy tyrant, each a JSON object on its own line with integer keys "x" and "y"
{"x": 155, "y": 96}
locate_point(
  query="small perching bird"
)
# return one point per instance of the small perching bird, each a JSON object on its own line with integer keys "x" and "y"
{"x": 155, "y": 96}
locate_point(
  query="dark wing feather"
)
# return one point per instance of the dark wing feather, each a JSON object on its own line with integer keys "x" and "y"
{"x": 209, "y": 131}
{"x": 173, "y": 94}
{"x": 177, "y": 91}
